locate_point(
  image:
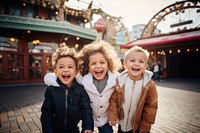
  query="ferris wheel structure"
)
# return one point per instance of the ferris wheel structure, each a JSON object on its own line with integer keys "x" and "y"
{"x": 178, "y": 17}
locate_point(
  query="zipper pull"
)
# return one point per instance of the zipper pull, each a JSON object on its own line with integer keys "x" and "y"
{"x": 66, "y": 92}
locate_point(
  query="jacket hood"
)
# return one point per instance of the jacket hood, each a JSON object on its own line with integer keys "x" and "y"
{"x": 50, "y": 79}
{"x": 147, "y": 75}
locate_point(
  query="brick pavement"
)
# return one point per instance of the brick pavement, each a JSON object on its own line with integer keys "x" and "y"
{"x": 178, "y": 112}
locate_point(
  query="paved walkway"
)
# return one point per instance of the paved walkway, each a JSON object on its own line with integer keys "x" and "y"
{"x": 178, "y": 112}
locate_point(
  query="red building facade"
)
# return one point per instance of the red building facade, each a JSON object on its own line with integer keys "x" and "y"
{"x": 30, "y": 31}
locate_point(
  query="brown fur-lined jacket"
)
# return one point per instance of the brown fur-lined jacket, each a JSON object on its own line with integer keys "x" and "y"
{"x": 146, "y": 109}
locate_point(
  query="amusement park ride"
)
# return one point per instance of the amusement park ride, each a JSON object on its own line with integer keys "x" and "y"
{"x": 110, "y": 28}
{"x": 178, "y": 17}
{"x": 177, "y": 47}
{"x": 178, "y": 22}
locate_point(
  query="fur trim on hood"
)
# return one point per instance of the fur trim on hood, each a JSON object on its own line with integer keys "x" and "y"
{"x": 147, "y": 75}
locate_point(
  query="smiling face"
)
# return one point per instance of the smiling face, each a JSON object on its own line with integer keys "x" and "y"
{"x": 98, "y": 66}
{"x": 66, "y": 70}
{"x": 136, "y": 65}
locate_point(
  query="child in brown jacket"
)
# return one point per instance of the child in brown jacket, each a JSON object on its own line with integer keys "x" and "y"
{"x": 134, "y": 103}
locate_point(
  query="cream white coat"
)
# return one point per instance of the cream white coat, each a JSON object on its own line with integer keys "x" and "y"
{"x": 99, "y": 101}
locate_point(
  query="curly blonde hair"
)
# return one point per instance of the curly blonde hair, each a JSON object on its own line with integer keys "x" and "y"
{"x": 103, "y": 47}
{"x": 64, "y": 52}
{"x": 136, "y": 49}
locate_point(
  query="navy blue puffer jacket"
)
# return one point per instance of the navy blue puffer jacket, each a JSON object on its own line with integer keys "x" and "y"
{"x": 64, "y": 107}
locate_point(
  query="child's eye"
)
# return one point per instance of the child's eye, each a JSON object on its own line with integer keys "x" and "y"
{"x": 132, "y": 60}
{"x": 93, "y": 63}
{"x": 70, "y": 67}
{"x": 61, "y": 66}
{"x": 102, "y": 62}
{"x": 141, "y": 61}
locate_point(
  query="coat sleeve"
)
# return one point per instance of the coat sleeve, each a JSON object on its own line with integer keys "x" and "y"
{"x": 47, "y": 112}
{"x": 150, "y": 109}
{"x": 113, "y": 107}
{"x": 86, "y": 112}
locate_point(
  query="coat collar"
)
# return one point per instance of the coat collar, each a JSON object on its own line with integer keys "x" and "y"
{"x": 74, "y": 83}
{"x": 87, "y": 80}
{"x": 147, "y": 75}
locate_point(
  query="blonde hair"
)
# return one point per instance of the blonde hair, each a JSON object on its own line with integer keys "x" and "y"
{"x": 102, "y": 47}
{"x": 136, "y": 49}
{"x": 64, "y": 52}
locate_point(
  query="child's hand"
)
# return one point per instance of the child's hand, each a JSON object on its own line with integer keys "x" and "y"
{"x": 87, "y": 131}
{"x": 112, "y": 123}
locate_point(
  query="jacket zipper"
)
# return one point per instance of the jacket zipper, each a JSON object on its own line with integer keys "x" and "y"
{"x": 66, "y": 94}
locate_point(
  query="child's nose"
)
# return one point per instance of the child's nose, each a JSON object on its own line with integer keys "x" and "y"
{"x": 136, "y": 63}
{"x": 98, "y": 65}
{"x": 66, "y": 69}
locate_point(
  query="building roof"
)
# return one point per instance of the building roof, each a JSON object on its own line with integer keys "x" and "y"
{"x": 165, "y": 39}
{"x": 63, "y": 27}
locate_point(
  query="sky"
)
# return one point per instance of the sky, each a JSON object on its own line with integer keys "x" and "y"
{"x": 133, "y": 11}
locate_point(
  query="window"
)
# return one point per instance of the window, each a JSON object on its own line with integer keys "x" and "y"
{"x": 35, "y": 70}
{"x": 15, "y": 66}
{"x": 42, "y": 47}
{"x": 8, "y": 44}
{"x": 1, "y": 66}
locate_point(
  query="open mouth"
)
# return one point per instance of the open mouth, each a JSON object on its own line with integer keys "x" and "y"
{"x": 66, "y": 77}
{"x": 136, "y": 69}
{"x": 98, "y": 73}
